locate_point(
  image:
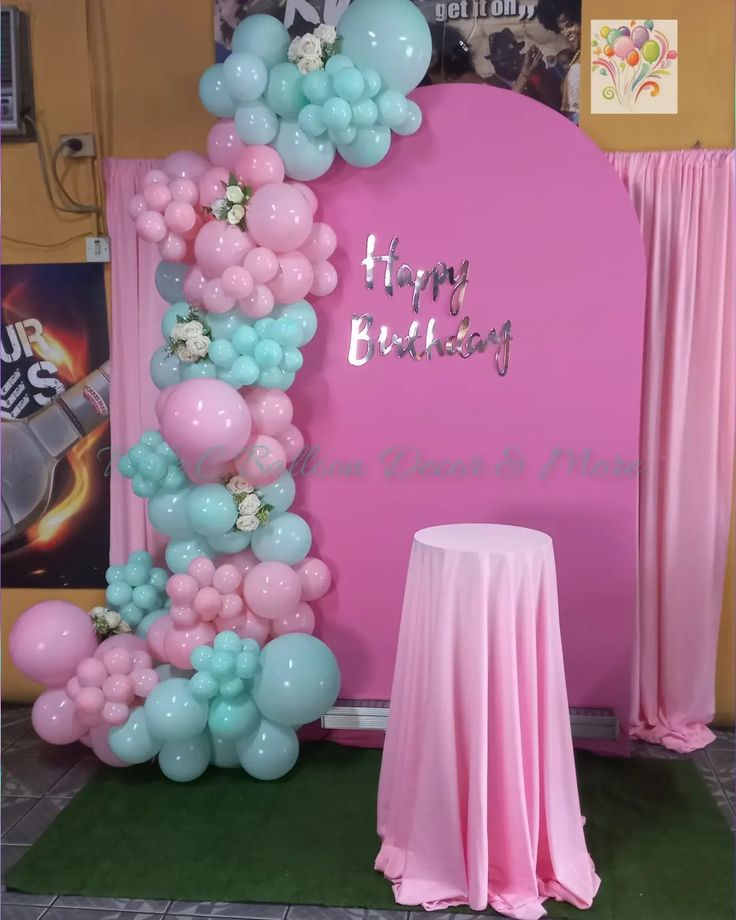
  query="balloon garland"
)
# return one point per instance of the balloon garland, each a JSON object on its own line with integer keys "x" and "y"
{"x": 239, "y": 670}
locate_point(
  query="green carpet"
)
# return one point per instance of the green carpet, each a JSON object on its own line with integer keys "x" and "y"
{"x": 658, "y": 840}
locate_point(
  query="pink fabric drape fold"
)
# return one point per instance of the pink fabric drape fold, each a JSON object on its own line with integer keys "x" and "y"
{"x": 685, "y": 202}
{"x": 137, "y": 309}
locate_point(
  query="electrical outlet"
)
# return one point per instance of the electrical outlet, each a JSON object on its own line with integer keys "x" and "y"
{"x": 88, "y": 145}
{"x": 98, "y": 249}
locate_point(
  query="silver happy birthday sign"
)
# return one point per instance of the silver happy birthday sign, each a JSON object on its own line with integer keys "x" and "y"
{"x": 363, "y": 344}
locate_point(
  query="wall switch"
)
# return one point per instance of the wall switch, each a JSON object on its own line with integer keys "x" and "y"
{"x": 87, "y": 141}
{"x": 98, "y": 249}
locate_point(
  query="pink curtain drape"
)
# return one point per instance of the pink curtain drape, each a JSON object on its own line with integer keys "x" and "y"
{"x": 685, "y": 202}
{"x": 137, "y": 309}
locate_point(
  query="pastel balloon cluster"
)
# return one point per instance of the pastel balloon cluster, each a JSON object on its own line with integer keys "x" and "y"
{"x": 136, "y": 589}
{"x": 635, "y": 45}
{"x": 152, "y": 465}
{"x": 349, "y": 103}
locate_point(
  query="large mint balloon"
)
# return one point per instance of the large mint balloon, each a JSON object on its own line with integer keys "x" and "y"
{"x": 211, "y": 510}
{"x": 245, "y": 77}
{"x": 131, "y": 741}
{"x": 172, "y": 713}
{"x": 167, "y": 512}
{"x": 302, "y": 313}
{"x": 264, "y": 36}
{"x": 171, "y": 317}
{"x": 234, "y": 718}
{"x": 284, "y": 91}
{"x": 170, "y": 280}
{"x": 298, "y": 679}
{"x": 179, "y": 553}
{"x": 270, "y": 753}
{"x": 256, "y": 122}
{"x": 165, "y": 369}
{"x": 213, "y": 93}
{"x": 369, "y": 147}
{"x": 390, "y": 37}
{"x": 185, "y": 760}
{"x": 234, "y": 542}
{"x": 198, "y": 370}
{"x": 305, "y": 158}
{"x": 280, "y": 494}
{"x": 284, "y": 538}
{"x": 224, "y": 752}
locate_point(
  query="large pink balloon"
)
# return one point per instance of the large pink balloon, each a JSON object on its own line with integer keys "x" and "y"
{"x": 99, "y": 742}
{"x": 218, "y": 246}
{"x": 184, "y": 164}
{"x": 209, "y": 468}
{"x": 271, "y": 411}
{"x": 262, "y": 461}
{"x": 54, "y": 718}
{"x": 224, "y": 147}
{"x": 124, "y": 640}
{"x": 205, "y": 415}
{"x": 294, "y": 278}
{"x": 315, "y": 578}
{"x": 211, "y": 185}
{"x": 300, "y": 620}
{"x": 156, "y": 637}
{"x": 180, "y": 643}
{"x": 279, "y": 217}
{"x": 272, "y": 589}
{"x": 258, "y": 166}
{"x": 48, "y": 641}
{"x": 308, "y": 194}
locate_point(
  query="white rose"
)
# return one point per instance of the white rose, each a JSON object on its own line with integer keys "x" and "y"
{"x": 309, "y": 63}
{"x": 326, "y": 34}
{"x": 192, "y": 330}
{"x": 235, "y": 214}
{"x": 234, "y": 193}
{"x": 113, "y": 618}
{"x": 310, "y": 46}
{"x": 219, "y": 207}
{"x": 124, "y": 627}
{"x": 293, "y": 53}
{"x": 177, "y": 332}
{"x": 239, "y": 484}
{"x": 183, "y": 354}
{"x": 250, "y": 504}
{"x": 247, "y": 522}
{"x": 199, "y": 346}
{"x": 97, "y": 612}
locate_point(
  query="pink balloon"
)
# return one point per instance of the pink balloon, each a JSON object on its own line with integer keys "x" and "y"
{"x": 118, "y": 660}
{"x": 73, "y": 687}
{"x": 185, "y": 190}
{"x": 204, "y": 415}
{"x": 294, "y": 278}
{"x": 251, "y": 626}
{"x": 292, "y": 440}
{"x": 224, "y": 147}
{"x": 90, "y": 701}
{"x": 180, "y": 216}
{"x": 215, "y": 299}
{"x": 226, "y": 579}
{"x": 141, "y": 660}
{"x": 49, "y": 639}
{"x": 99, "y": 742}
{"x": 320, "y": 244}
{"x": 623, "y": 46}
{"x": 210, "y": 468}
{"x": 184, "y": 164}
{"x": 144, "y": 680}
{"x": 237, "y": 281}
{"x": 119, "y": 688}
{"x": 259, "y": 304}
{"x": 202, "y": 571}
{"x": 151, "y": 226}
{"x": 262, "y": 461}
{"x": 258, "y": 166}
{"x": 157, "y": 196}
{"x": 272, "y": 589}
{"x": 263, "y": 264}
{"x": 173, "y": 248}
{"x": 279, "y": 217}
{"x": 194, "y": 286}
{"x": 137, "y": 206}
{"x": 218, "y": 246}
{"x": 243, "y": 561}
{"x": 305, "y": 190}
{"x": 115, "y": 713}
{"x": 325, "y": 279}
{"x": 300, "y": 620}
{"x": 182, "y": 588}
{"x": 208, "y": 603}
{"x": 271, "y": 411}
{"x": 124, "y": 640}
{"x": 91, "y": 673}
{"x": 315, "y": 578}
{"x": 212, "y": 185}
{"x": 183, "y": 615}
{"x": 54, "y": 718}
{"x": 156, "y": 637}
{"x": 180, "y": 643}
{"x": 232, "y": 606}
{"x": 155, "y": 175}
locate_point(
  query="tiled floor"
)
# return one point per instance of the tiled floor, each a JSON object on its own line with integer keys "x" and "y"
{"x": 39, "y": 780}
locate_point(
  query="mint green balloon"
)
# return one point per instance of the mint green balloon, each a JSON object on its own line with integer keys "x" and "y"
{"x": 272, "y": 378}
{"x": 146, "y": 597}
{"x": 270, "y": 753}
{"x": 337, "y": 63}
{"x": 284, "y": 91}
{"x": 311, "y": 120}
{"x": 287, "y": 380}
{"x": 224, "y": 752}
{"x": 118, "y": 594}
{"x": 264, "y": 36}
{"x": 198, "y": 370}
{"x": 245, "y": 76}
{"x": 164, "y": 368}
{"x": 365, "y": 113}
{"x": 413, "y": 120}
{"x": 337, "y": 113}
{"x": 224, "y": 325}
{"x": 234, "y": 542}
{"x": 153, "y": 466}
{"x": 302, "y": 313}
{"x": 132, "y": 742}
{"x": 267, "y": 353}
{"x": 292, "y": 360}
{"x": 244, "y": 371}
{"x": 372, "y": 83}
{"x": 305, "y": 158}
{"x": 284, "y": 538}
{"x": 222, "y": 353}
{"x": 203, "y": 685}
{"x": 392, "y": 107}
{"x": 114, "y": 573}
{"x": 179, "y": 553}
{"x": 213, "y": 93}
{"x": 349, "y": 83}
{"x": 317, "y": 87}
{"x": 245, "y": 340}
{"x": 167, "y": 512}
{"x": 343, "y": 135}
{"x": 211, "y": 510}
{"x": 234, "y": 718}
{"x": 185, "y": 760}
{"x": 280, "y": 494}
{"x": 171, "y": 317}
{"x": 256, "y": 122}
{"x": 369, "y": 147}
{"x": 172, "y": 711}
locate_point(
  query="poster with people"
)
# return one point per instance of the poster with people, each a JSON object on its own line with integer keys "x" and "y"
{"x": 531, "y": 47}
{"x": 55, "y": 432}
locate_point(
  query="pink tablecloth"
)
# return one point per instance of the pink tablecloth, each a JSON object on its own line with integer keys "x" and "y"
{"x": 478, "y": 801}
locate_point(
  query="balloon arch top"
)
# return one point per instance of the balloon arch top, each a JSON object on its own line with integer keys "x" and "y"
{"x": 213, "y": 660}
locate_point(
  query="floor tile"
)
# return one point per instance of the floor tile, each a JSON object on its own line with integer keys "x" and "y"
{"x": 15, "y": 727}
{"x": 226, "y": 909}
{"x": 724, "y": 764}
{"x": 112, "y": 904}
{"x": 75, "y": 779}
{"x": 13, "y": 808}
{"x": 10, "y": 856}
{"x": 26, "y": 777}
{"x": 725, "y": 740}
{"x": 22, "y": 912}
{"x": 74, "y": 913}
{"x": 31, "y": 745}
{"x": 34, "y": 823}
{"x": 344, "y": 913}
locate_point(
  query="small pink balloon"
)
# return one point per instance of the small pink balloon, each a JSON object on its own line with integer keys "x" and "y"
{"x": 279, "y": 217}
{"x": 184, "y": 190}
{"x": 237, "y": 281}
{"x": 292, "y": 440}
{"x": 215, "y": 299}
{"x": 91, "y": 673}
{"x": 226, "y": 579}
{"x": 208, "y": 603}
{"x": 272, "y": 589}
{"x": 182, "y": 588}
{"x": 137, "y": 206}
{"x": 218, "y": 246}
{"x": 118, "y": 660}
{"x": 115, "y": 713}
{"x": 243, "y": 561}
{"x": 293, "y": 279}
{"x": 320, "y": 244}
{"x": 623, "y": 46}
{"x": 144, "y": 680}
{"x": 271, "y": 411}
{"x": 119, "y": 688}
{"x": 259, "y": 304}
{"x": 259, "y": 165}
{"x": 202, "y": 570}
{"x": 224, "y": 147}
{"x": 54, "y": 718}
{"x": 184, "y": 164}
{"x": 325, "y": 279}
{"x": 124, "y": 640}
{"x": 183, "y": 615}
{"x": 262, "y": 461}
{"x": 155, "y": 175}
{"x": 90, "y": 701}
{"x": 157, "y": 196}
{"x": 180, "y": 216}
{"x": 100, "y": 744}
{"x": 73, "y": 687}
{"x": 193, "y": 287}
{"x": 180, "y": 643}
{"x": 173, "y": 248}
{"x": 315, "y": 578}
{"x": 49, "y": 639}
{"x": 211, "y": 185}
{"x": 142, "y": 660}
{"x": 156, "y": 637}
{"x": 151, "y": 226}
{"x": 308, "y": 194}
{"x": 232, "y": 606}
{"x": 262, "y": 263}
{"x": 300, "y": 620}
{"x": 251, "y": 626}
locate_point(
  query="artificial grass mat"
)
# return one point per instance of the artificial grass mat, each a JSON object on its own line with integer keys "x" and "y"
{"x": 657, "y": 838}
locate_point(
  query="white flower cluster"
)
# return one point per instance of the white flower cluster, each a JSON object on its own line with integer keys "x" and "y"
{"x": 231, "y": 207}
{"x": 190, "y": 341}
{"x": 108, "y": 622}
{"x": 251, "y": 510}
{"x": 309, "y": 52}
